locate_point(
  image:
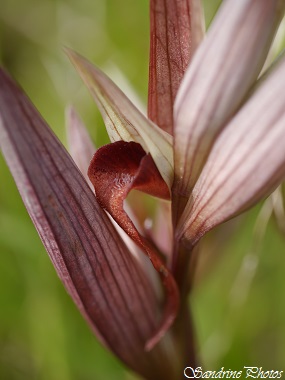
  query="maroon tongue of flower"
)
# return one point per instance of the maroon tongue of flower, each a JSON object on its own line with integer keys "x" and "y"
{"x": 114, "y": 171}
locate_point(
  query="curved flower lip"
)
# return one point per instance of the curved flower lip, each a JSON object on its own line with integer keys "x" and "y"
{"x": 221, "y": 73}
{"x": 115, "y": 170}
{"x": 105, "y": 281}
{"x": 246, "y": 162}
{"x": 82, "y": 149}
{"x": 123, "y": 120}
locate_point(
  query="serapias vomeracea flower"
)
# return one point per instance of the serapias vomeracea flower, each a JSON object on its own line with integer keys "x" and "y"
{"x": 213, "y": 145}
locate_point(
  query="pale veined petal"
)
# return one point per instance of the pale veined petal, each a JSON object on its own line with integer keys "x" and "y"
{"x": 246, "y": 163}
{"x": 221, "y": 73}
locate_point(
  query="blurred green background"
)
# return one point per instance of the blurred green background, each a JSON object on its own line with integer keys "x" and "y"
{"x": 238, "y": 301}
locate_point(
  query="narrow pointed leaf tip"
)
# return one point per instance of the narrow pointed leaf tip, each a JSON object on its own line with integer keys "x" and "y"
{"x": 123, "y": 120}
{"x": 246, "y": 163}
{"x": 115, "y": 170}
{"x": 80, "y": 144}
{"x": 109, "y": 287}
{"x": 221, "y": 73}
{"x": 176, "y": 29}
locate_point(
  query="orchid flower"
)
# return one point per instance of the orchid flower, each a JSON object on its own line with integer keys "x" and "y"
{"x": 211, "y": 147}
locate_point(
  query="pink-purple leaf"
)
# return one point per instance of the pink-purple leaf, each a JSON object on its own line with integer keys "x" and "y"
{"x": 80, "y": 145}
{"x": 176, "y": 29}
{"x": 102, "y": 277}
{"x": 115, "y": 170}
